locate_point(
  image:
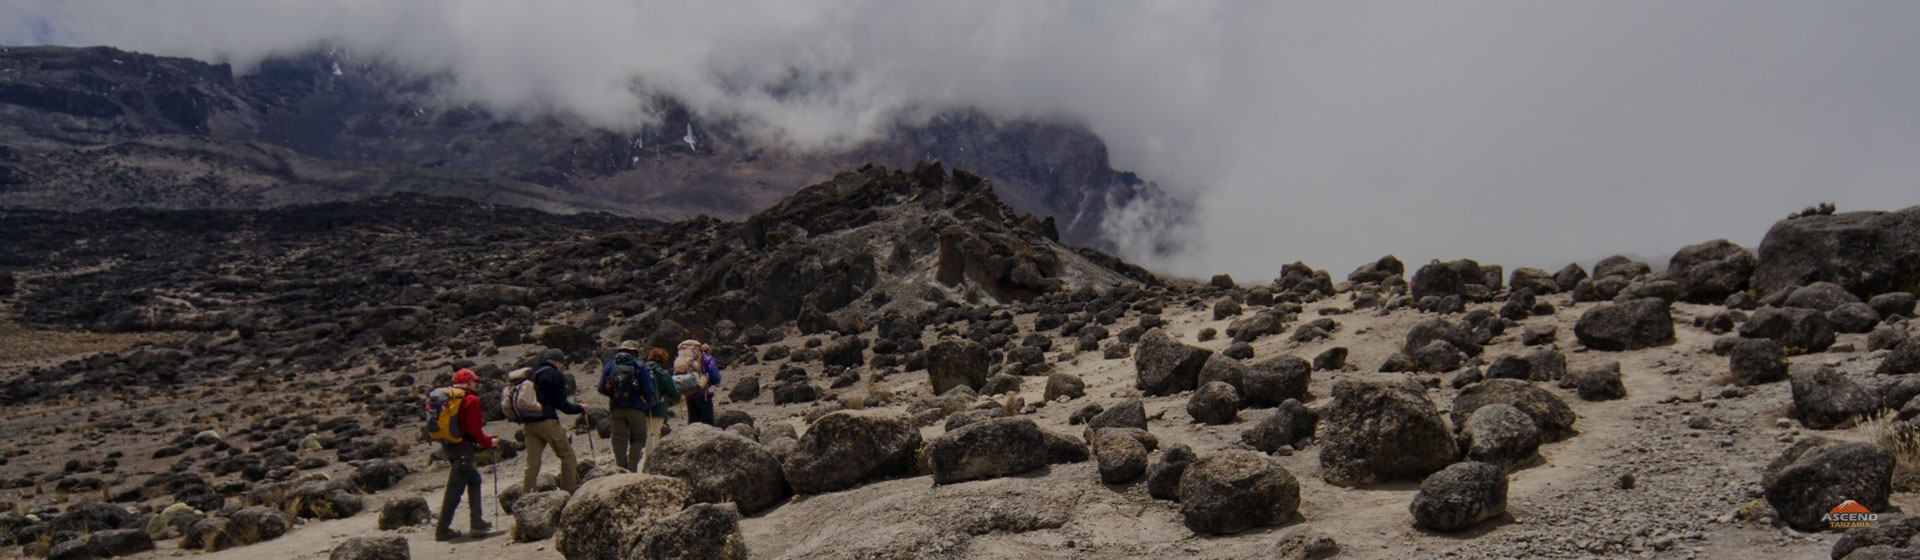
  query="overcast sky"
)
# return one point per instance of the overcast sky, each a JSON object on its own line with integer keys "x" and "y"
{"x": 1518, "y": 133}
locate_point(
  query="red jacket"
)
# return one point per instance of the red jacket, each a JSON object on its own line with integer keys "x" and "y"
{"x": 472, "y": 423}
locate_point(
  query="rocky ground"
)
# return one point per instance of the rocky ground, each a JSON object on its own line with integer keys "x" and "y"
{"x": 265, "y": 385}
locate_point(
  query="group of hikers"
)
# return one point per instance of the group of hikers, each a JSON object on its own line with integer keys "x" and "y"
{"x": 641, "y": 390}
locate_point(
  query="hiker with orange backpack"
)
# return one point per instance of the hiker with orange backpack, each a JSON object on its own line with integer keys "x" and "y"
{"x": 454, "y": 420}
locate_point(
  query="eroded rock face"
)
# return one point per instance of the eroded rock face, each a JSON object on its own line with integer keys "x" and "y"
{"x": 846, "y": 448}
{"x": 1233, "y": 491}
{"x": 1379, "y": 432}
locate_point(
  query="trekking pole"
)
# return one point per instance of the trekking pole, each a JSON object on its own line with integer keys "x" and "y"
{"x": 494, "y": 513}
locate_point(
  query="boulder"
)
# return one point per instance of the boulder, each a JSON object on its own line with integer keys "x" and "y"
{"x": 1129, "y": 413}
{"x": 1892, "y": 304}
{"x": 379, "y": 474}
{"x": 700, "y": 532}
{"x": 1510, "y": 367}
{"x": 1226, "y": 308}
{"x": 1619, "y": 266}
{"x": 1333, "y": 359}
{"x": 1549, "y": 413}
{"x": 955, "y": 362}
{"x": 1865, "y": 252}
{"x": 1442, "y": 279}
{"x": 1225, "y": 369}
{"x": 1500, "y": 434}
{"x": 1233, "y": 491}
{"x": 1853, "y": 318}
{"x": 1534, "y": 280}
{"x": 1709, "y": 272}
{"x": 1755, "y": 361}
{"x": 1165, "y": 366}
{"x": 1569, "y": 276}
{"x": 1887, "y": 337}
{"x": 1001, "y": 384}
{"x": 1275, "y": 380}
{"x": 1820, "y": 296}
{"x": 1599, "y": 384}
{"x": 1215, "y": 403}
{"x": 1885, "y": 539}
{"x": 988, "y": 449}
{"x": 1546, "y": 364}
{"x": 1062, "y": 449}
{"x": 1064, "y": 385}
{"x": 1382, "y": 432}
{"x": 1816, "y": 475}
{"x": 1425, "y": 332}
{"x": 404, "y": 512}
{"x": 1804, "y": 329}
{"x": 1163, "y": 478}
{"x": 608, "y": 514}
{"x": 1122, "y": 458}
{"x": 1905, "y": 358}
{"x": 1437, "y": 357}
{"x": 1373, "y": 272}
{"x": 1825, "y": 399}
{"x": 385, "y": 547}
{"x": 257, "y": 524}
{"x": 1291, "y": 424}
{"x": 1633, "y": 325}
{"x": 536, "y": 517}
{"x": 846, "y": 448}
{"x": 1460, "y": 496}
{"x": 721, "y": 466}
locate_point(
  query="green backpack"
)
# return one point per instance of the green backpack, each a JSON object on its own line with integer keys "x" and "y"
{"x": 663, "y": 383}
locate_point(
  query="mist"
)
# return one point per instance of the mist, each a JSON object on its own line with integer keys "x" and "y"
{"x": 1516, "y": 133}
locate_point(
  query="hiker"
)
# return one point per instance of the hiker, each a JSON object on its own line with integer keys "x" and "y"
{"x": 458, "y": 426}
{"x": 695, "y": 364}
{"x": 629, "y": 388}
{"x": 543, "y": 430}
{"x": 658, "y": 367}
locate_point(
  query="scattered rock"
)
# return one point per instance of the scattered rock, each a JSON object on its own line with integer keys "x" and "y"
{"x": 1816, "y": 475}
{"x": 1122, "y": 459}
{"x": 1163, "y": 478}
{"x": 1233, "y": 491}
{"x": 1165, "y": 366}
{"x": 846, "y": 448}
{"x": 1711, "y": 271}
{"x": 386, "y": 547}
{"x": 1381, "y": 432}
{"x": 721, "y": 466}
{"x": 1893, "y": 304}
{"x": 988, "y": 449}
{"x": 1755, "y": 361}
{"x": 1064, "y": 385}
{"x": 1824, "y": 399}
{"x": 1275, "y": 380}
{"x": 1460, "y": 496}
{"x": 1215, "y": 403}
{"x": 404, "y": 512}
{"x": 1600, "y": 384}
{"x": 702, "y": 531}
{"x": 1502, "y": 435}
{"x": 1551, "y": 414}
{"x": 1290, "y": 425}
{"x": 1333, "y": 359}
{"x": 1129, "y": 413}
{"x": 607, "y": 515}
{"x": 1634, "y": 325}
{"x": 1805, "y": 329}
{"x": 956, "y": 362}
{"x": 536, "y": 517}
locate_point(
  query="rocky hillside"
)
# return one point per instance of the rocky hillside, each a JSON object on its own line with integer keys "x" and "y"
{"x": 103, "y": 128}
{"x": 916, "y": 370}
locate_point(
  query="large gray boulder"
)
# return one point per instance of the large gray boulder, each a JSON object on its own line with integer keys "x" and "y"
{"x": 1425, "y": 332}
{"x": 1888, "y": 539}
{"x": 1122, "y": 457}
{"x": 1893, "y": 304}
{"x": 1905, "y": 358}
{"x": 1129, "y": 413}
{"x": 1633, "y": 325}
{"x": 1867, "y": 253}
{"x": 1804, "y": 329}
{"x": 1233, "y": 491}
{"x": 1549, "y": 412}
{"x": 381, "y": 547}
{"x": 536, "y": 517}
{"x": 1820, "y": 296}
{"x": 1754, "y": 361}
{"x": 1500, "y": 434}
{"x": 608, "y": 514}
{"x": 1290, "y": 425}
{"x": 1215, "y": 403}
{"x": 848, "y": 447}
{"x": 1815, "y": 475}
{"x": 1711, "y": 271}
{"x": 700, "y": 532}
{"x": 1225, "y": 369}
{"x": 988, "y": 449}
{"x": 1825, "y": 399}
{"x": 721, "y": 466}
{"x": 1853, "y": 318}
{"x": 1382, "y": 432}
{"x": 1442, "y": 279}
{"x": 1275, "y": 380}
{"x": 955, "y": 362}
{"x": 1164, "y": 366}
{"x": 1460, "y": 496}
{"x": 1163, "y": 478}
{"x": 1533, "y": 279}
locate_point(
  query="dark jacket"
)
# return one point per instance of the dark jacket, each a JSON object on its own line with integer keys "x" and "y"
{"x": 660, "y": 408}
{"x": 648, "y": 393}
{"x": 550, "y": 386}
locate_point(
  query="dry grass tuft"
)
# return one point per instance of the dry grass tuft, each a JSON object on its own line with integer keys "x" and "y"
{"x": 1899, "y": 438}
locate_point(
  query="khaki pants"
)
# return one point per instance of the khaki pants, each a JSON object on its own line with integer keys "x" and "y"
{"x": 539, "y": 435}
{"x": 629, "y": 433}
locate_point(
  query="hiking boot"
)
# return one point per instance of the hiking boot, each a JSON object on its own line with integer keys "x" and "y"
{"x": 478, "y": 528}
{"x": 444, "y": 535}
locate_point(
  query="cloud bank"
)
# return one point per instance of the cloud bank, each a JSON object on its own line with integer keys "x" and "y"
{"x": 1519, "y": 133}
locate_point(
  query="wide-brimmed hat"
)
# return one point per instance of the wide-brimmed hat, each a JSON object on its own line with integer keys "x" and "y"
{"x": 630, "y": 346}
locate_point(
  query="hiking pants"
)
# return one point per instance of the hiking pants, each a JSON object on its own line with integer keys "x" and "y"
{"x": 629, "y": 433}
{"x": 463, "y": 477}
{"x": 699, "y": 410}
{"x": 539, "y": 436}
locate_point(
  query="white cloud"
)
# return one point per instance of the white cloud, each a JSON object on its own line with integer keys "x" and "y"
{"x": 1521, "y": 133}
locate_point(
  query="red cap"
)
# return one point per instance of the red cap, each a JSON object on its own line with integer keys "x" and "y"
{"x": 464, "y": 376}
